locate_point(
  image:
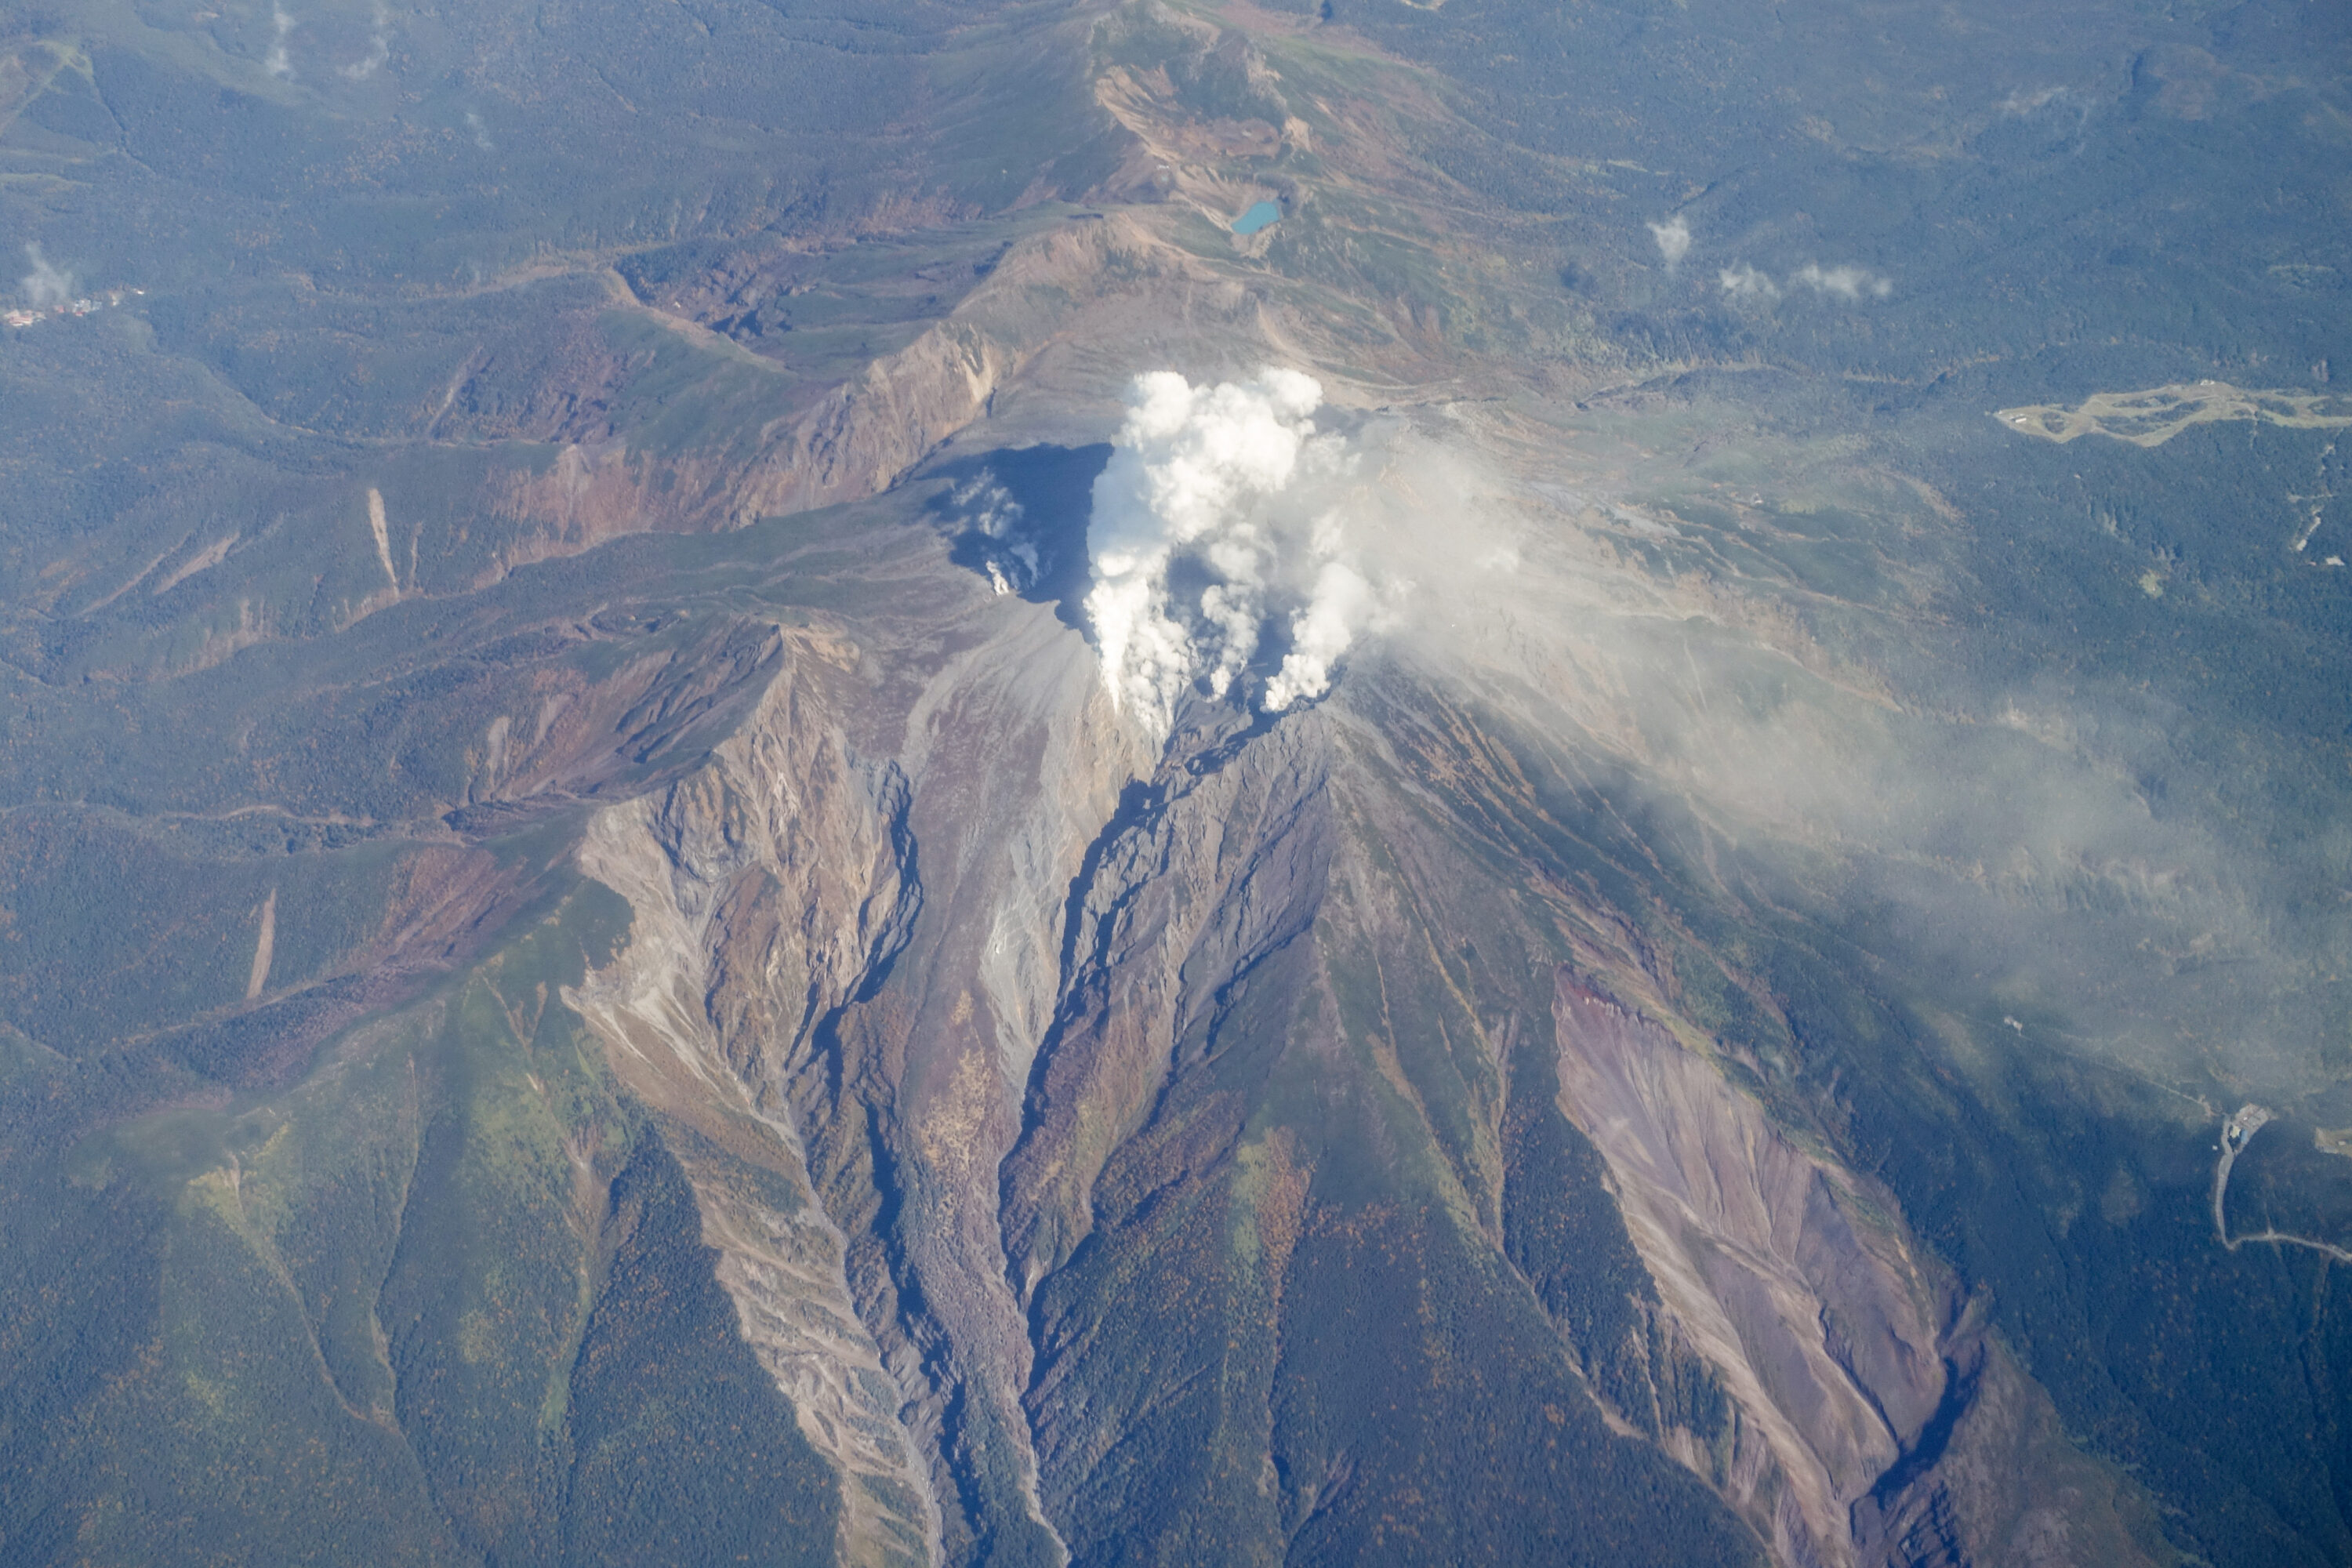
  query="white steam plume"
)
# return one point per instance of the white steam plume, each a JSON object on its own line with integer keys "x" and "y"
{"x": 1673, "y": 239}
{"x": 1744, "y": 283}
{"x": 1222, "y": 510}
{"x": 989, "y": 511}
{"x": 1342, "y": 603}
{"x": 1845, "y": 283}
{"x": 46, "y": 287}
{"x": 278, "y": 62}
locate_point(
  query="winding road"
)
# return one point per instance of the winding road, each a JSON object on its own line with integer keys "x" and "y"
{"x": 2237, "y": 1131}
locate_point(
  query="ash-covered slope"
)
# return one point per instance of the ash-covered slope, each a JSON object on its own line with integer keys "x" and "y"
{"x": 679, "y": 881}
{"x": 1261, "y": 1150}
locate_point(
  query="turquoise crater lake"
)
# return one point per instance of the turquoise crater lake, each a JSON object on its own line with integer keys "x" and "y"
{"x": 1259, "y": 216}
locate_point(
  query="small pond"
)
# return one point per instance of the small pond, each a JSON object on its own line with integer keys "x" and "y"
{"x": 1258, "y": 217}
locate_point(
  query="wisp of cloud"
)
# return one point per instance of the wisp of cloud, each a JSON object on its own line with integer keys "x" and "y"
{"x": 1744, "y": 283}
{"x": 379, "y": 49}
{"x": 46, "y": 287}
{"x": 1845, "y": 283}
{"x": 1673, "y": 238}
{"x": 278, "y": 62}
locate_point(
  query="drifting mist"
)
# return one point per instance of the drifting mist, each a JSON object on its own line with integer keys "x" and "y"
{"x": 1248, "y": 543}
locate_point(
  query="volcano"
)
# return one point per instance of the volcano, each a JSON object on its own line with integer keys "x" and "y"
{"x": 1346, "y": 783}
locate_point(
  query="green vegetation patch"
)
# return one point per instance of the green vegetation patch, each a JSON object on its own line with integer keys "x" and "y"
{"x": 444, "y": 1299}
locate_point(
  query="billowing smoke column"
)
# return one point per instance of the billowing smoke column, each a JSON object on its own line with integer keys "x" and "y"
{"x": 1220, "y": 508}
